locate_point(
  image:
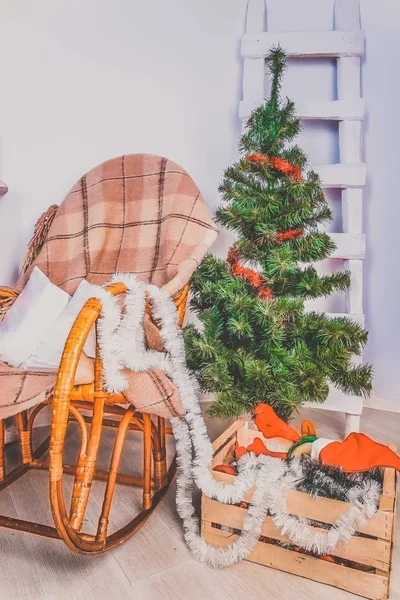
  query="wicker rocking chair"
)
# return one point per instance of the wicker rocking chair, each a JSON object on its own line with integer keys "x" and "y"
{"x": 101, "y": 409}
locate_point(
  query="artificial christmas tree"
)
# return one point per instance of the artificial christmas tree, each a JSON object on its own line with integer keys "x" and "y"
{"x": 258, "y": 344}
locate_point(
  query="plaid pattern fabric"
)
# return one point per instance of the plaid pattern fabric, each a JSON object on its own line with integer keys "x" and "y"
{"x": 152, "y": 392}
{"x": 22, "y": 389}
{"x": 139, "y": 214}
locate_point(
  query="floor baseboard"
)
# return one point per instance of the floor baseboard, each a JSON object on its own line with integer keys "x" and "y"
{"x": 375, "y": 402}
{"x": 380, "y": 403}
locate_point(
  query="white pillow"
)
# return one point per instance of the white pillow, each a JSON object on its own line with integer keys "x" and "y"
{"x": 29, "y": 318}
{"x": 49, "y": 351}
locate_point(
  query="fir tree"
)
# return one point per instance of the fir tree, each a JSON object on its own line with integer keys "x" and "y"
{"x": 257, "y": 343}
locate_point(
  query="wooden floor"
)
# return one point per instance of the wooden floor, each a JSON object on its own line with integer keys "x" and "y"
{"x": 155, "y": 564}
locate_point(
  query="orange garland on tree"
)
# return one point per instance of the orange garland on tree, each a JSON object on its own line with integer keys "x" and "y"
{"x": 290, "y": 234}
{"x": 252, "y": 277}
{"x": 277, "y": 163}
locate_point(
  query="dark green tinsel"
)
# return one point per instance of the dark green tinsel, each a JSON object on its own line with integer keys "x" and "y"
{"x": 332, "y": 482}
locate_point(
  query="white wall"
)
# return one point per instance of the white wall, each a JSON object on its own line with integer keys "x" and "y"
{"x": 381, "y": 88}
{"x": 85, "y": 80}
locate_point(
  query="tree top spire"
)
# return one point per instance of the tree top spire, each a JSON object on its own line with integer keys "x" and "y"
{"x": 276, "y": 61}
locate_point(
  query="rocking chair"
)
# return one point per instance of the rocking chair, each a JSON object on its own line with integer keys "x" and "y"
{"x": 140, "y": 214}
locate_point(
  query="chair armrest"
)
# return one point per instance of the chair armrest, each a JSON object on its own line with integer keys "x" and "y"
{"x": 180, "y": 301}
{"x": 7, "y": 297}
{"x": 151, "y": 325}
{"x": 84, "y": 322}
{"x": 8, "y": 292}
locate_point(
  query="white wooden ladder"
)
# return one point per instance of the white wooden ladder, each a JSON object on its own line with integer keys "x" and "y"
{"x": 346, "y": 44}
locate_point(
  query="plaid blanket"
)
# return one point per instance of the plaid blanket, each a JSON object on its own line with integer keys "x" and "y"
{"x": 139, "y": 214}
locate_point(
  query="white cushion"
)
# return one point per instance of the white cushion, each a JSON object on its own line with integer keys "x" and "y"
{"x": 29, "y": 318}
{"x": 49, "y": 351}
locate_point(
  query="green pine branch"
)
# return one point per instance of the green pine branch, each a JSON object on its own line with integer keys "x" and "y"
{"x": 246, "y": 349}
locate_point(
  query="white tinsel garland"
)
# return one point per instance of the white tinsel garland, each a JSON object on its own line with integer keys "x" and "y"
{"x": 122, "y": 344}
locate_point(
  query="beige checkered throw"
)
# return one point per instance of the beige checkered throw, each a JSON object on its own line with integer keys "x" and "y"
{"x": 139, "y": 214}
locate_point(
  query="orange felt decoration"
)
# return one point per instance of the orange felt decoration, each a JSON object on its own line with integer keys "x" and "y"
{"x": 359, "y": 453}
{"x": 327, "y": 558}
{"x": 356, "y": 453}
{"x": 226, "y": 469}
{"x": 322, "y": 556}
{"x": 239, "y": 450}
{"x": 270, "y": 425}
{"x": 307, "y": 428}
{"x": 258, "y": 447}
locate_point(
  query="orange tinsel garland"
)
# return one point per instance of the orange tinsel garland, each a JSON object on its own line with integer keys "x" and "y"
{"x": 277, "y": 163}
{"x": 253, "y": 278}
{"x": 290, "y": 234}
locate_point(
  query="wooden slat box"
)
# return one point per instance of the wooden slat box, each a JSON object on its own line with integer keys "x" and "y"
{"x": 362, "y": 565}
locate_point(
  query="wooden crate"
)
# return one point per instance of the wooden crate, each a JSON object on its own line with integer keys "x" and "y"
{"x": 365, "y": 561}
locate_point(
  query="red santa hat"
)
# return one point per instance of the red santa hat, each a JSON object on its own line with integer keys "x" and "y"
{"x": 357, "y": 453}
